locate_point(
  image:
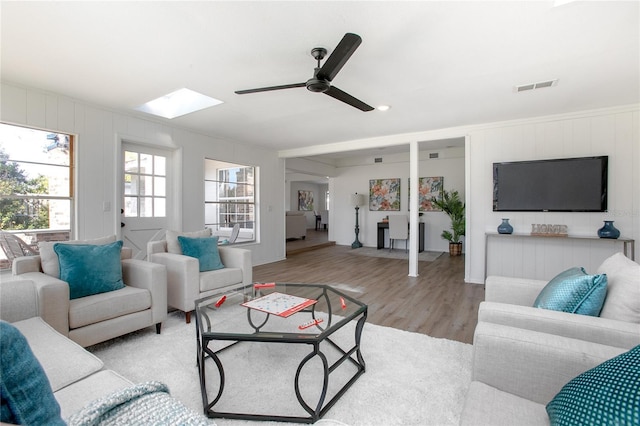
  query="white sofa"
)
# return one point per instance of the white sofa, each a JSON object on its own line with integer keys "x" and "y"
{"x": 93, "y": 319}
{"x": 296, "y": 225}
{"x": 509, "y": 301}
{"x": 523, "y": 356}
{"x": 77, "y": 377}
{"x": 516, "y": 372}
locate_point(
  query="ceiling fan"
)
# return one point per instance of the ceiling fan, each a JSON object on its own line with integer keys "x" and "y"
{"x": 322, "y": 76}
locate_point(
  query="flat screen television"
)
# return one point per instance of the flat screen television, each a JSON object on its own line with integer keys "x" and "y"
{"x": 559, "y": 185}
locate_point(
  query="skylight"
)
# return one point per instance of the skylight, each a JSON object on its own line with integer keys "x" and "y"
{"x": 178, "y": 103}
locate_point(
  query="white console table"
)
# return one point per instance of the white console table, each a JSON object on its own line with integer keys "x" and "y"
{"x": 628, "y": 244}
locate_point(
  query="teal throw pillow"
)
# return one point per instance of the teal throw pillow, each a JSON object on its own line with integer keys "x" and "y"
{"x": 90, "y": 269}
{"x": 608, "y": 394}
{"x": 204, "y": 249}
{"x": 25, "y": 392}
{"x": 574, "y": 291}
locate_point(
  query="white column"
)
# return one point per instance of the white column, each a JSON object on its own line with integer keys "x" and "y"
{"x": 414, "y": 157}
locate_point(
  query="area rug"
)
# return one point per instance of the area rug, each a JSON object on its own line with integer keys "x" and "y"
{"x": 425, "y": 256}
{"x": 410, "y": 378}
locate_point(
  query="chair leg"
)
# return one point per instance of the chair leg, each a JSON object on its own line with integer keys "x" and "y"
{"x": 158, "y": 327}
{"x": 188, "y": 317}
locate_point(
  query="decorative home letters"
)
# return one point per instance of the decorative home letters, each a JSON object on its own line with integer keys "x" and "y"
{"x": 545, "y": 230}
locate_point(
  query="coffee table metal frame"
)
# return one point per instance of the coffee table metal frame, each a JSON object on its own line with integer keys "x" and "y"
{"x": 205, "y": 333}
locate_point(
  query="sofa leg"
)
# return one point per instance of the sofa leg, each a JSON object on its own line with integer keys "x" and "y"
{"x": 158, "y": 327}
{"x": 188, "y": 317}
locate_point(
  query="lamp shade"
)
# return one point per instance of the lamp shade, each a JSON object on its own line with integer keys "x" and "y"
{"x": 357, "y": 200}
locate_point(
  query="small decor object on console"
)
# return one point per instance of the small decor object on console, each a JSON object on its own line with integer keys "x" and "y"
{"x": 608, "y": 230}
{"x": 505, "y": 227}
{"x": 542, "y": 230}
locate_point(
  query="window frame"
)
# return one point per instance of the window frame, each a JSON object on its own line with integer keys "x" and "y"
{"x": 241, "y": 205}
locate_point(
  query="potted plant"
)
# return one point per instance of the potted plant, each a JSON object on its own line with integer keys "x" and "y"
{"x": 452, "y": 205}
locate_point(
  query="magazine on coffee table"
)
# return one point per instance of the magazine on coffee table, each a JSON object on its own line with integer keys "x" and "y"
{"x": 280, "y": 304}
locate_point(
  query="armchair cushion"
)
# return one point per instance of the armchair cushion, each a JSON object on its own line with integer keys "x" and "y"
{"x": 173, "y": 246}
{"x": 90, "y": 269}
{"x": 606, "y": 394}
{"x": 623, "y": 293}
{"x": 105, "y": 306}
{"x": 574, "y": 291}
{"x": 49, "y": 258}
{"x": 213, "y": 280}
{"x": 204, "y": 249}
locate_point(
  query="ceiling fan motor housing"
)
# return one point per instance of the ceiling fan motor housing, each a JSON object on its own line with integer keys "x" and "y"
{"x": 318, "y": 85}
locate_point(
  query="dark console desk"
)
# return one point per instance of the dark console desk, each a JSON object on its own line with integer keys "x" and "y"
{"x": 385, "y": 225}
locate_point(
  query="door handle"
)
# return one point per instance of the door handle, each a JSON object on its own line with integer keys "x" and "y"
{"x": 122, "y": 225}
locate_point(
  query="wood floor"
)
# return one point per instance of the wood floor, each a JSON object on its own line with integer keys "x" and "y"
{"x": 438, "y": 302}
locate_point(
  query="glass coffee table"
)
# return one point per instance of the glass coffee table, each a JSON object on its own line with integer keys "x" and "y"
{"x": 255, "y": 362}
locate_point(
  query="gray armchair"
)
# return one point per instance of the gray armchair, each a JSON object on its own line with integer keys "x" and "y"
{"x": 93, "y": 319}
{"x": 185, "y": 282}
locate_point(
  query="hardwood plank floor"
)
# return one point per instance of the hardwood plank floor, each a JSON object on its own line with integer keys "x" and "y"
{"x": 438, "y": 302}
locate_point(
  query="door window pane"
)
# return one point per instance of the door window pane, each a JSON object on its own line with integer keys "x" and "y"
{"x": 145, "y": 177}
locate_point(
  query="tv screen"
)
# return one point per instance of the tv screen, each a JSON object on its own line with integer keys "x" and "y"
{"x": 561, "y": 185}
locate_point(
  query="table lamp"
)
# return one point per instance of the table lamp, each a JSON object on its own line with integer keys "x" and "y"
{"x": 357, "y": 200}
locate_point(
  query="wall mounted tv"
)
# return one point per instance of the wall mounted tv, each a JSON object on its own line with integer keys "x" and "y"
{"x": 560, "y": 185}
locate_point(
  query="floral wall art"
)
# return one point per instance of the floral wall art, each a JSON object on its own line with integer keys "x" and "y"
{"x": 429, "y": 187}
{"x": 305, "y": 200}
{"x": 384, "y": 194}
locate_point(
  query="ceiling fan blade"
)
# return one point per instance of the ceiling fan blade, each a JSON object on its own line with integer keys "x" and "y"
{"x": 338, "y": 94}
{"x": 268, "y": 89}
{"x": 339, "y": 56}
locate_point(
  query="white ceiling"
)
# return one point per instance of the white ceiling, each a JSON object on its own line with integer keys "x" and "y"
{"x": 438, "y": 64}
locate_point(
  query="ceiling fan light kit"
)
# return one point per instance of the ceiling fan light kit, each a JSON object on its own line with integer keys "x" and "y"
{"x": 323, "y": 75}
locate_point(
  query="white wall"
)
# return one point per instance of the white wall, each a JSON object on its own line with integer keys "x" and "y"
{"x": 353, "y": 175}
{"x": 97, "y": 131}
{"x": 613, "y": 132}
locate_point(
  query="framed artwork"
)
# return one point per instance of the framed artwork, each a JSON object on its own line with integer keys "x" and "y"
{"x": 305, "y": 200}
{"x": 384, "y": 194}
{"x": 429, "y": 187}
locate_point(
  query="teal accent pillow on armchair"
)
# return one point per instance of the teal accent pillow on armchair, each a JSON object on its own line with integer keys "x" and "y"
{"x": 608, "y": 394}
{"x": 204, "y": 249}
{"x": 90, "y": 269}
{"x": 574, "y": 291}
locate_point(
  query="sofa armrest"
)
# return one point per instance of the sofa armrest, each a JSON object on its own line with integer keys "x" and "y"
{"x": 529, "y": 364}
{"x": 233, "y": 257}
{"x": 517, "y": 291}
{"x": 183, "y": 279}
{"x": 591, "y": 329}
{"x": 53, "y": 299}
{"x": 154, "y": 247}
{"x": 24, "y": 264}
{"x": 18, "y": 300}
{"x": 150, "y": 276}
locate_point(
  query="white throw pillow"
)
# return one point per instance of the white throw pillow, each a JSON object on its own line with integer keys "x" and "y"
{"x": 173, "y": 246}
{"x": 49, "y": 258}
{"x": 623, "y": 293}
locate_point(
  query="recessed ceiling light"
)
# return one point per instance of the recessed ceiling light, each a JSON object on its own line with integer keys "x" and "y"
{"x": 178, "y": 103}
{"x": 383, "y": 108}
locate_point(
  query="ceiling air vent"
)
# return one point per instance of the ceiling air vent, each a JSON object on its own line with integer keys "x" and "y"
{"x": 377, "y": 160}
{"x": 533, "y": 86}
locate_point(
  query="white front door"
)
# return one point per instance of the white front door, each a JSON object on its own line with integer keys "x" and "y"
{"x": 145, "y": 194}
